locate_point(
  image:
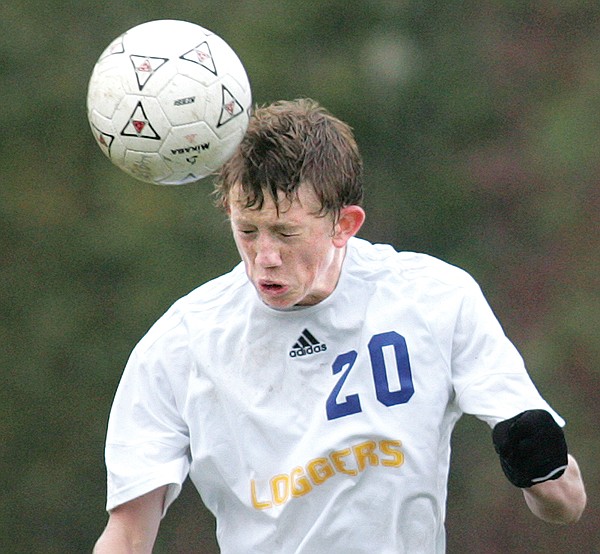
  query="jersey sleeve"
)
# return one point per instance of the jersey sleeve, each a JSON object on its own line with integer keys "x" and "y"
{"x": 489, "y": 375}
{"x": 147, "y": 443}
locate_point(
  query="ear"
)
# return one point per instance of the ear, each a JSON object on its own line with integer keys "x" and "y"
{"x": 350, "y": 221}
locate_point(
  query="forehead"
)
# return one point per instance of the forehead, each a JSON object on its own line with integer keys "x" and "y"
{"x": 304, "y": 204}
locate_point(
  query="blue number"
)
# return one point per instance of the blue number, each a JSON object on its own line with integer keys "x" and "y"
{"x": 351, "y": 404}
{"x": 382, "y": 388}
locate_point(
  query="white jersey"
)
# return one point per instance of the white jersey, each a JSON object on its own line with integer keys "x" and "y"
{"x": 320, "y": 429}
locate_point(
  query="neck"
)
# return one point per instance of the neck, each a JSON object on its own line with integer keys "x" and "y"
{"x": 330, "y": 280}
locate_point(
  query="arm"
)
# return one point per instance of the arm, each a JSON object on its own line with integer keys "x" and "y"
{"x": 534, "y": 456}
{"x": 133, "y": 526}
{"x": 560, "y": 501}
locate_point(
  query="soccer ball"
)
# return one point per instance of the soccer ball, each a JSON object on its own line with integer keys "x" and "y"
{"x": 168, "y": 102}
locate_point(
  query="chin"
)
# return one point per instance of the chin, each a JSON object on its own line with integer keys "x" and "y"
{"x": 282, "y": 302}
{"x": 278, "y": 304}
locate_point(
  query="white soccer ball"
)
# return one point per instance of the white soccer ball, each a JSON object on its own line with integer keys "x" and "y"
{"x": 168, "y": 102}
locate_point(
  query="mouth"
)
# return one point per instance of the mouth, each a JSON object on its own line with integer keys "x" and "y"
{"x": 271, "y": 288}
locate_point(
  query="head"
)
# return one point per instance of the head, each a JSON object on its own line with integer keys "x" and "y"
{"x": 290, "y": 143}
{"x": 293, "y": 192}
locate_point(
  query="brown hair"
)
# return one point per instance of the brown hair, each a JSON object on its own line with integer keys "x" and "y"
{"x": 289, "y": 143}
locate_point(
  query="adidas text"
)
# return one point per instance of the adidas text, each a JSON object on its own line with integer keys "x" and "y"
{"x": 306, "y": 350}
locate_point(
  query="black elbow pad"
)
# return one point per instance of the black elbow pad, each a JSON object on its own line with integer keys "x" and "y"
{"x": 532, "y": 448}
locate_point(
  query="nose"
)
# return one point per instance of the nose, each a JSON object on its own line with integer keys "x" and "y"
{"x": 267, "y": 252}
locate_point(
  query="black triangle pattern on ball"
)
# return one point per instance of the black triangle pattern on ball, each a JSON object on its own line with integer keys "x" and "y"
{"x": 144, "y": 67}
{"x": 202, "y": 56}
{"x": 230, "y": 107}
{"x": 139, "y": 126}
{"x": 104, "y": 139}
{"x": 115, "y": 47}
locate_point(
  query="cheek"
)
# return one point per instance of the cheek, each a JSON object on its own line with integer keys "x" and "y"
{"x": 315, "y": 257}
{"x": 244, "y": 251}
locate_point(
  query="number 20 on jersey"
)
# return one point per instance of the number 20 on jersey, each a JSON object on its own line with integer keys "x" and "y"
{"x": 338, "y": 405}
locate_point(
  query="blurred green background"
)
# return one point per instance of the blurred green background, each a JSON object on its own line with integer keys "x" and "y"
{"x": 479, "y": 122}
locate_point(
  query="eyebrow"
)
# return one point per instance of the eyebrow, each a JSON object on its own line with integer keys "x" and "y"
{"x": 285, "y": 226}
{"x": 277, "y": 227}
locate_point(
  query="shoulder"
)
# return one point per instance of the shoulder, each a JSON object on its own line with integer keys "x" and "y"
{"x": 216, "y": 293}
{"x": 212, "y": 301}
{"x": 382, "y": 261}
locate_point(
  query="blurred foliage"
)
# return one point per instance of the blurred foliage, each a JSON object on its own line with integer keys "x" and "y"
{"x": 480, "y": 127}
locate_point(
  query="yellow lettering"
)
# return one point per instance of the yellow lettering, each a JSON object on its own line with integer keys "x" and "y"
{"x": 301, "y": 480}
{"x": 300, "y": 483}
{"x": 338, "y": 462}
{"x": 319, "y": 470}
{"x": 365, "y": 452}
{"x": 280, "y": 488}
{"x": 257, "y": 504}
{"x": 391, "y": 448}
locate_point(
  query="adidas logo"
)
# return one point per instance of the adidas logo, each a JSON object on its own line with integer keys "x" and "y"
{"x": 306, "y": 344}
